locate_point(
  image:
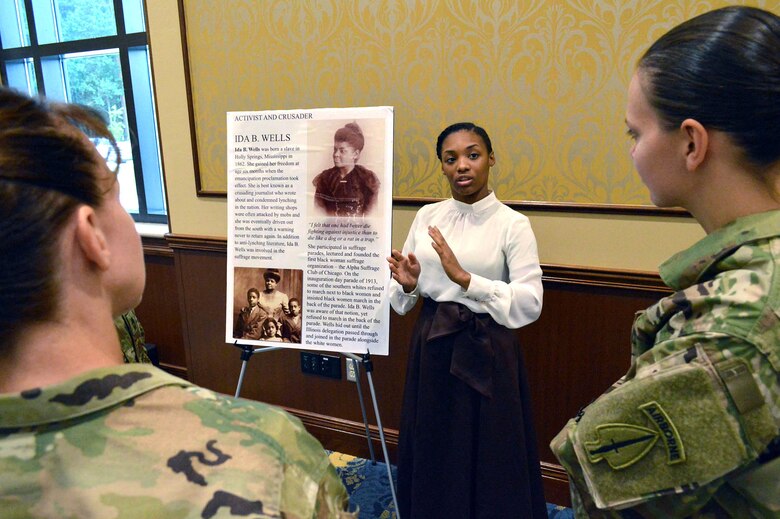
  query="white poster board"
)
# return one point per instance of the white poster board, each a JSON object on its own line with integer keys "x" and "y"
{"x": 309, "y": 221}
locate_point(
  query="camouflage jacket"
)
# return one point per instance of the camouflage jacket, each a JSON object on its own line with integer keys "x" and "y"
{"x": 699, "y": 409}
{"x": 131, "y": 338}
{"x": 132, "y": 441}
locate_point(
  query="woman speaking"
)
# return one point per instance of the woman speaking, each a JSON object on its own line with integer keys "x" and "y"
{"x": 467, "y": 446}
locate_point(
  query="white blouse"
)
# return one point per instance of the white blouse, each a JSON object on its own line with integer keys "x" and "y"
{"x": 492, "y": 242}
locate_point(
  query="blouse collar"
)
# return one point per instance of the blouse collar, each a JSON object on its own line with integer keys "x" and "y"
{"x": 477, "y": 207}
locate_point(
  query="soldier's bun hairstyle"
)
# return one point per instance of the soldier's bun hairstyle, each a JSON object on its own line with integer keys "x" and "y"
{"x": 463, "y": 127}
{"x": 352, "y": 134}
{"x": 46, "y": 172}
{"x": 721, "y": 68}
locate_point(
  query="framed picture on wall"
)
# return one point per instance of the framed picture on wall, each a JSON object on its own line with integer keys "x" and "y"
{"x": 549, "y": 86}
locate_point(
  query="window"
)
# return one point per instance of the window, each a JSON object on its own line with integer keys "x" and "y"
{"x": 92, "y": 52}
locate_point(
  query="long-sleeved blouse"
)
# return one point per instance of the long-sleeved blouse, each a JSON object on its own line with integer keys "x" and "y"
{"x": 492, "y": 242}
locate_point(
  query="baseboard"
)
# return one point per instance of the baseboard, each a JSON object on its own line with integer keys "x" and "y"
{"x": 349, "y": 437}
{"x": 178, "y": 371}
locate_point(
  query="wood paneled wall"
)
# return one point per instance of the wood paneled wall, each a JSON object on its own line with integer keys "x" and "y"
{"x": 159, "y": 309}
{"x": 578, "y": 347}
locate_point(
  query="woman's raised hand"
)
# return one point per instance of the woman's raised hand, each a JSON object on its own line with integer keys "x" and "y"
{"x": 449, "y": 262}
{"x": 404, "y": 269}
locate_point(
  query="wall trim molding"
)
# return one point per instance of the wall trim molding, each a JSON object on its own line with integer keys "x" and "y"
{"x": 565, "y": 207}
{"x": 604, "y": 277}
{"x": 554, "y": 273}
{"x": 156, "y": 246}
{"x": 554, "y": 472}
{"x": 341, "y": 426}
{"x": 198, "y": 243}
{"x": 176, "y": 371}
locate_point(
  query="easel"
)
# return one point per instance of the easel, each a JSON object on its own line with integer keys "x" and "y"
{"x": 248, "y": 350}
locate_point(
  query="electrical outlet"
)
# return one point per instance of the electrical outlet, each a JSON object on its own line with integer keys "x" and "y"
{"x": 323, "y": 365}
{"x": 351, "y": 370}
{"x": 309, "y": 363}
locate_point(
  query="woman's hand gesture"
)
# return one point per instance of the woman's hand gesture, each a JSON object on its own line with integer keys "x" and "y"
{"x": 404, "y": 269}
{"x": 449, "y": 262}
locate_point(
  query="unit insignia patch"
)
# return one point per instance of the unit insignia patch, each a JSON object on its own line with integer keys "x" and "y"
{"x": 623, "y": 444}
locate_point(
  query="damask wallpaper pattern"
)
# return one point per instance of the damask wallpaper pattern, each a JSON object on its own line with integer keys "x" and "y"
{"x": 546, "y": 78}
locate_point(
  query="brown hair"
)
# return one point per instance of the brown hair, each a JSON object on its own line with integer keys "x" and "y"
{"x": 351, "y": 134}
{"x": 46, "y": 171}
{"x": 721, "y": 68}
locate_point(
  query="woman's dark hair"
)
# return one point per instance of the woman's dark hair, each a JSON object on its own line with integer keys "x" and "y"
{"x": 463, "y": 127}
{"x": 721, "y": 68}
{"x": 46, "y": 171}
{"x": 351, "y": 134}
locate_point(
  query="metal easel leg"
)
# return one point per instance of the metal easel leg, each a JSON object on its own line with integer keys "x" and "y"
{"x": 369, "y": 368}
{"x": 363, "y": 410}
{"x": 246, "y": 354}
{"x": 241, "y": 378}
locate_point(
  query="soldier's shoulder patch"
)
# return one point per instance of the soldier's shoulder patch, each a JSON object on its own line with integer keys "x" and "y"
{"x": 620, "y": 444}
{"x": 675, "y": 450}
{"x": 623, "y": 444}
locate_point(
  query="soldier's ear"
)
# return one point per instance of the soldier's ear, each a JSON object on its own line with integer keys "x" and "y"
{"x": 90, "y": 238}
{"x": 696, "y": 141}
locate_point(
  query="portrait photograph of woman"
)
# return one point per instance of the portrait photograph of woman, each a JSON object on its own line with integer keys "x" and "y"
{"x": 346, "y": 181}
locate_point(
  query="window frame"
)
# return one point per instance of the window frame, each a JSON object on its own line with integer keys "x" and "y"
{"x": 122, "y": 43}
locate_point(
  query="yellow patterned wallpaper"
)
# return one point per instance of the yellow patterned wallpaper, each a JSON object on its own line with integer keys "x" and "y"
{"x": 546, "y": 78}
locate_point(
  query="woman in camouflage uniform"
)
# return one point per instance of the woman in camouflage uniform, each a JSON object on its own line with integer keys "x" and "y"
{"x": 692, "y": 428}
{"x": 83, "y": 434}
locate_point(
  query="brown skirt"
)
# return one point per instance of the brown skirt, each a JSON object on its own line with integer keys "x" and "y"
{"x": 467, "y": 447}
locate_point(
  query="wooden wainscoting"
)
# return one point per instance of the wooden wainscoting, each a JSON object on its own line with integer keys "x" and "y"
{"x": 159, "y": 309}
{"x": 576, "y": 349}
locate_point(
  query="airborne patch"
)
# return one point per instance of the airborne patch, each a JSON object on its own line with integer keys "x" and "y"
{"x": 622, "y": 444}
{"x": 675, "y": 451}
